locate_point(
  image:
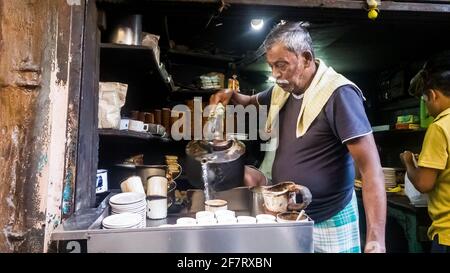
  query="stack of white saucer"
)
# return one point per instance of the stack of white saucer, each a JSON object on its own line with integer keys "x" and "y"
{"x": 130, "y": 202}
{"x": 123, "y": 220}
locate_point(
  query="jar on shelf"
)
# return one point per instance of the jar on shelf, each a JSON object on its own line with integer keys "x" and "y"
{"x": 233, "y": 83}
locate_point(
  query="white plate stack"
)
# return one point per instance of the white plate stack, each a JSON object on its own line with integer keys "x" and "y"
{"x": 389, "y": 178}
{"x": 123, "y": 220}
{"x": 130, "y": 202}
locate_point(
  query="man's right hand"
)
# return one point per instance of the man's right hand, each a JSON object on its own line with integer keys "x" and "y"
{"x": 223, "y": 96}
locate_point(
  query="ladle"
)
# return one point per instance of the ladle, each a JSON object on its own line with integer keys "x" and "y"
{"x": 300, "y": 215}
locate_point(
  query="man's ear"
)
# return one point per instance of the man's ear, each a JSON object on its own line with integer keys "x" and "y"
{"x": 307, "y": 58}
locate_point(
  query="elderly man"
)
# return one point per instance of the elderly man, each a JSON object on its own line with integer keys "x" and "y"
{"x": 322, "y": 127}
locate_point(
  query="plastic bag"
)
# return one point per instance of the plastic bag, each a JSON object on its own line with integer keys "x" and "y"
{"x": 111, "y": 99}
{"x": 151, "y": 40}
{"x": 416, "y": 198}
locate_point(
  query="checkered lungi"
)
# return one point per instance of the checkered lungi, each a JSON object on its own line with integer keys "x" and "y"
{"x": 340, "y": 233}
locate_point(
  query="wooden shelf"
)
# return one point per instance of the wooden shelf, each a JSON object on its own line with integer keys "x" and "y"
{"x": 398, "y": 132}
{"x": 131, "y": 134}
{"x": 177, "y": 55}
{"x": 120, "y": 61}
{"x": 400, "y": 104}
{"x": 182, "y": 94}
{"x": 125, "y": 47}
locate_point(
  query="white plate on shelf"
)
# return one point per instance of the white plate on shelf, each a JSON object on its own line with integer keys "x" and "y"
{"x": 127, "y": 198}
{"x": 122, "y": 220}
{"x": 130, "y": 206}
{"x": 140, "y": 210}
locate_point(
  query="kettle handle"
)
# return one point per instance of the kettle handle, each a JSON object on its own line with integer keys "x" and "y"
{"x": 306, "y": 198}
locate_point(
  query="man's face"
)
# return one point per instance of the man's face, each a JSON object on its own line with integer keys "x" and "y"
{"x": 287, "y": 67}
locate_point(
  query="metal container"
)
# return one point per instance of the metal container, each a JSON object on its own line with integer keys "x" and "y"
{"x": 225, "y": 163}
{"x": 281, "y": 197}
{"x": 128, "y": 30}
{"x": 257, "y": 205}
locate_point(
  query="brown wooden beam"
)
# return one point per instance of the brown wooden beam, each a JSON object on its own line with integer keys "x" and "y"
{"x": 87, "y": 150}
{"x": 416, "y": 6}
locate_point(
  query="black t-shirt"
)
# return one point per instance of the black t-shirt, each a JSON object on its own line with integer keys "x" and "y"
{"x": 320, "y": 159}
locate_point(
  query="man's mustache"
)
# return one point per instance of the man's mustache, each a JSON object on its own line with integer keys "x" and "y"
{"x": 282, "y": 82}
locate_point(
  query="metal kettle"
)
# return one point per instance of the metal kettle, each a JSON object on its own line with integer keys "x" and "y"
{"x": 224, "y": 159}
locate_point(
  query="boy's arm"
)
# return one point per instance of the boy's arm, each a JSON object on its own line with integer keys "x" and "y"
{"x": 422, "y": 178}
{"x": 432, "y": 159}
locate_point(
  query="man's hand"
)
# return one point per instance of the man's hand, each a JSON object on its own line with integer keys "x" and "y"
{"x": 254, "y": 177}
{"x": 223, "y": 96}
{"x": 226, "y": 96}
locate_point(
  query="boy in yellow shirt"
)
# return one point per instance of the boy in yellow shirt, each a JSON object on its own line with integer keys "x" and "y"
{"x": 431, "y": 174}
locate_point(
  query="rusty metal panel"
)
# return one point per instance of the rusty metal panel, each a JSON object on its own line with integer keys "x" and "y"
{"x": 20, "y": 79}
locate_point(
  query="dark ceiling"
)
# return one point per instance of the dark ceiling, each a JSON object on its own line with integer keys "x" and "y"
{"x": 345, "y": 39}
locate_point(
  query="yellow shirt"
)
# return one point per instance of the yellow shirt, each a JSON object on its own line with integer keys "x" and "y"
{"x": 435, "y": 154}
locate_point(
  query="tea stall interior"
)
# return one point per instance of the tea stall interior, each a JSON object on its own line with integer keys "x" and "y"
{"x": 380, "y": 56}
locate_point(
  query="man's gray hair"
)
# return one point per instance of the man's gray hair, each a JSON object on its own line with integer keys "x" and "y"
{"x": 293, "y": 35}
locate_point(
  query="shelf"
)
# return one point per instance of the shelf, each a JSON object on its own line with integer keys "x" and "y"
{"x": 189, "y": 56}
{"x": 398, "y": 132}
{"x": 190, "y": 93}
{"x": 125, "y": 47}
{"x": 131, "y": 134}
{"x": 119, "y": 61}
{"x": 401, "y": 104}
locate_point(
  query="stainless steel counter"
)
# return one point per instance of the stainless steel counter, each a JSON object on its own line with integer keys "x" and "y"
{"x": 82, "y": 232}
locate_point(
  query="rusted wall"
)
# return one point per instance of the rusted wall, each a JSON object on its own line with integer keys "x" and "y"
{"x": 36, "y": 65}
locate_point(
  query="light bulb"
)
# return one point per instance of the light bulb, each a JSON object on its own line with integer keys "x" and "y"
{"x": 257, "y": 24}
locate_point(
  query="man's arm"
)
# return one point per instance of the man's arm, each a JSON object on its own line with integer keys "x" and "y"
{"x": 365, "y": 154}
{"x": 240, "y": 99}
{"x": 422, "y": 178}
{"x": 226, "y": 96}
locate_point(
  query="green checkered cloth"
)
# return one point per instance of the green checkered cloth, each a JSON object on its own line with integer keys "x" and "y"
{"x": 340, "y": 233}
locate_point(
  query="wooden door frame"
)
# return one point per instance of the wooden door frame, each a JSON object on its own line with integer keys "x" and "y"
{"x": 87, "y": 145}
